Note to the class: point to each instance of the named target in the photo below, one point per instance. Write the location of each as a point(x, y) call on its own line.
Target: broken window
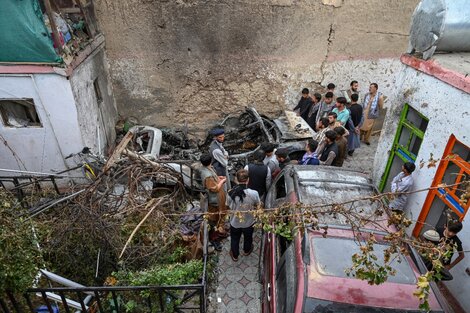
point(19, 113)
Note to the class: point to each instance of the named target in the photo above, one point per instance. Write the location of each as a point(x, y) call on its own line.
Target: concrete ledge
point(459, 79)
point(26, 69)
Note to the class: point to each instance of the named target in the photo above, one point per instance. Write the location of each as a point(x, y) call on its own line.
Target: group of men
point(252, 184)
point(340, 120)
point(243, 197)
point(339, 124)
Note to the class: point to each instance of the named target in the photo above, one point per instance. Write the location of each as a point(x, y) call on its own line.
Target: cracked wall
point(198, 60)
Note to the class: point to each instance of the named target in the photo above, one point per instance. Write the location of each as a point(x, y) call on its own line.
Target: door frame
point(445, 194)
point(399, 150)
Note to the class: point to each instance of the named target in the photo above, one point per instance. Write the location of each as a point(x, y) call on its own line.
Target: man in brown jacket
point(214, 187)
point(342, 146)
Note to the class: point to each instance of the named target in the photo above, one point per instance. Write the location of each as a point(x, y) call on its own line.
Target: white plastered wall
point(448, 111)
point(40, 149)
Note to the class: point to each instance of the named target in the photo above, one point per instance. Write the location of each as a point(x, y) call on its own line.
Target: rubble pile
point(141, 204)
point(122, 219)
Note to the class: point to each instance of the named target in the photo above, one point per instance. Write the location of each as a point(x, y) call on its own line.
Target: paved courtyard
point(238, 289)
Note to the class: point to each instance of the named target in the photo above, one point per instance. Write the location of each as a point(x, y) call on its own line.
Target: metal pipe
point(34, 173)
point(41, 209)
point(60, 280)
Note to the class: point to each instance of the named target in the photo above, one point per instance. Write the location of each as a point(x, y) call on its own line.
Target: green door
point(406, 144)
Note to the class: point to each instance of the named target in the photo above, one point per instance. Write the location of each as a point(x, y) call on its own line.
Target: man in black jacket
point(313, 113)
point(259, 174)
point(304, 104)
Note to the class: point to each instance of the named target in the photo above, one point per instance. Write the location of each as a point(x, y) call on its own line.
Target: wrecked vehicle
point(147, 141)
point(308, 272)
point(244, 134)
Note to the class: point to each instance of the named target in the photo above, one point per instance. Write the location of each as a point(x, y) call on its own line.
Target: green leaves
point(168, 274)
point(159, 275)
point(366, 265)
point(423, 290)
point(20, 257)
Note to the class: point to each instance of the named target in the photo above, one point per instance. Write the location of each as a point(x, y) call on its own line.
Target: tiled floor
point(238, 288)
point(363, 158)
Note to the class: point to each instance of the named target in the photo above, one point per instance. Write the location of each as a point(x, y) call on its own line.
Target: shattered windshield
point(334, 262)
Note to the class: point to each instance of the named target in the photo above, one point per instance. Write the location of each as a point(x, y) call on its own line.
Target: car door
point(286, 276)
point(276, 195)
point(268, 279)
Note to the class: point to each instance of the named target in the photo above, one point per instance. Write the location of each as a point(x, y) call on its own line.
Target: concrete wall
point(69, 112)
point(199, 60)
point(96, 118)
point(40, 148)
point(444, 106)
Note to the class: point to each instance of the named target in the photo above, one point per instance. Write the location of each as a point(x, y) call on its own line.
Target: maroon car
point(307, 275)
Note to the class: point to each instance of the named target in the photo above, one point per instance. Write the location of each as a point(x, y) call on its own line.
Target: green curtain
point(23, 35)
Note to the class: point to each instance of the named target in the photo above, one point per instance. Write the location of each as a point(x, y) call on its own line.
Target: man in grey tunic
point(403, 182)
point(270, 158)
point(218, 153)
point(242, 199)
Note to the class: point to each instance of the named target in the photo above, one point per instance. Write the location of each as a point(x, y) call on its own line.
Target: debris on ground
point(244, 134)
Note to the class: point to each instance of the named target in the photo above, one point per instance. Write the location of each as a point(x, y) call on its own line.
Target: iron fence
point(115, 299)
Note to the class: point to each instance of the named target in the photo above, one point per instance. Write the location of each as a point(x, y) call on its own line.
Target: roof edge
point(433, 68)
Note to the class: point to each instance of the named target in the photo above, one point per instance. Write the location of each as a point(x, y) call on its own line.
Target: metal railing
point(115, 299)
point(18, 184)
point(181, 298)
point(77, 298)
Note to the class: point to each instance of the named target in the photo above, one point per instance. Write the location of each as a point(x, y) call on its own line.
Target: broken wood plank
point(55, 33)
point(134, 155)
point(117, 152)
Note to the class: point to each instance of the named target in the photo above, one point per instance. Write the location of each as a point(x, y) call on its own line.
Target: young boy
point(448, 235)
point(403, 182)
point(214, 187)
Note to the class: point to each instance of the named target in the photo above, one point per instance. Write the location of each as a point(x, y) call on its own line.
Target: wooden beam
point(55, 33)
point(117, 152)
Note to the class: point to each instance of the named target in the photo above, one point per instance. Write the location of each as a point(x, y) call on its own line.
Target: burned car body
point(147, 141)
point(244, 134)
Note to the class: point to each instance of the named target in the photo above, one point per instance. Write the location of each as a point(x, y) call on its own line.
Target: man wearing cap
point(401, 184)
point(218, 153)
point(431, 236)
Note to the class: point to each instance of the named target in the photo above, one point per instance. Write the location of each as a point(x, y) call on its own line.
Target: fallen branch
point(151, 202)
